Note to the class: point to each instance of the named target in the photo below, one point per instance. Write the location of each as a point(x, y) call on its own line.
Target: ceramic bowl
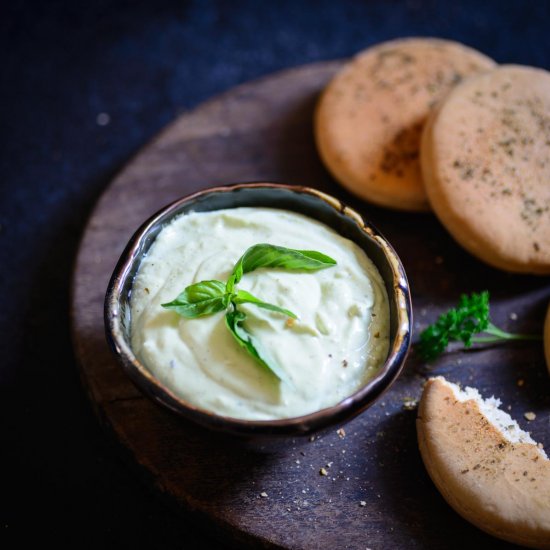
point(309, 202)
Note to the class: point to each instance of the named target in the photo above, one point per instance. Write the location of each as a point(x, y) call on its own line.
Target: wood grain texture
point(377, 493)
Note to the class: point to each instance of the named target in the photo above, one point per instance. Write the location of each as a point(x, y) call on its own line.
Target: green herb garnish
point(267, 255)
point(463, 323)
point(233, 321)
point(209, 297)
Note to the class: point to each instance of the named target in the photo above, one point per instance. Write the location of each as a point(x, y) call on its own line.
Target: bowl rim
point(342, 411)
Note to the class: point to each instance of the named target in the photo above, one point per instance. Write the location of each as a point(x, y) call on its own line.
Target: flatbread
point(369, 119)
point(488, 469)
point(486, 167)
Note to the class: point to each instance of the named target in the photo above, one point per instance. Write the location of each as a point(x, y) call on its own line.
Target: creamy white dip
point(337, 343)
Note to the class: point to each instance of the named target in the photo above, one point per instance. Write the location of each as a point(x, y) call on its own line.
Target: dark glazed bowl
point(309, 202)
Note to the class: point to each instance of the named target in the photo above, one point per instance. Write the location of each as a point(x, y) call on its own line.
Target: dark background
point(142, 63)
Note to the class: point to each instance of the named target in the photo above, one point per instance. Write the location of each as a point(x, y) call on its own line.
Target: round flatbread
point(370, 117)
point(488, 469)
point(486, 167)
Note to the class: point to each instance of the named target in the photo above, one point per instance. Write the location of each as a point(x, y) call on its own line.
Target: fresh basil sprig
point(209, 297)
point(234, 322)
point(267, 255)
point(244, 297)
point(199, 299)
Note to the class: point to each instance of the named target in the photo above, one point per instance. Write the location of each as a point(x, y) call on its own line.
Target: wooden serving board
point(377, 493)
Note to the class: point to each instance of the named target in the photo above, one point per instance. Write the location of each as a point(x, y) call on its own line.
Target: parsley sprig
point(209, 297)
point(463, 324)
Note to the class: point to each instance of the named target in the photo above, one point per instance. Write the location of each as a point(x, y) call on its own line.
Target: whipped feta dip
point(338, 342)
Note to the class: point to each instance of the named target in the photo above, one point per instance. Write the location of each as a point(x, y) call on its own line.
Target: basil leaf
point(268, 255)
point(233, 321)
point(199, 299)
point(244, 297)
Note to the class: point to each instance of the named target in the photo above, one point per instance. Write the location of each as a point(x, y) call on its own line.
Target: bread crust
point(369, 119)
point(501, 487)
point(485, 158)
